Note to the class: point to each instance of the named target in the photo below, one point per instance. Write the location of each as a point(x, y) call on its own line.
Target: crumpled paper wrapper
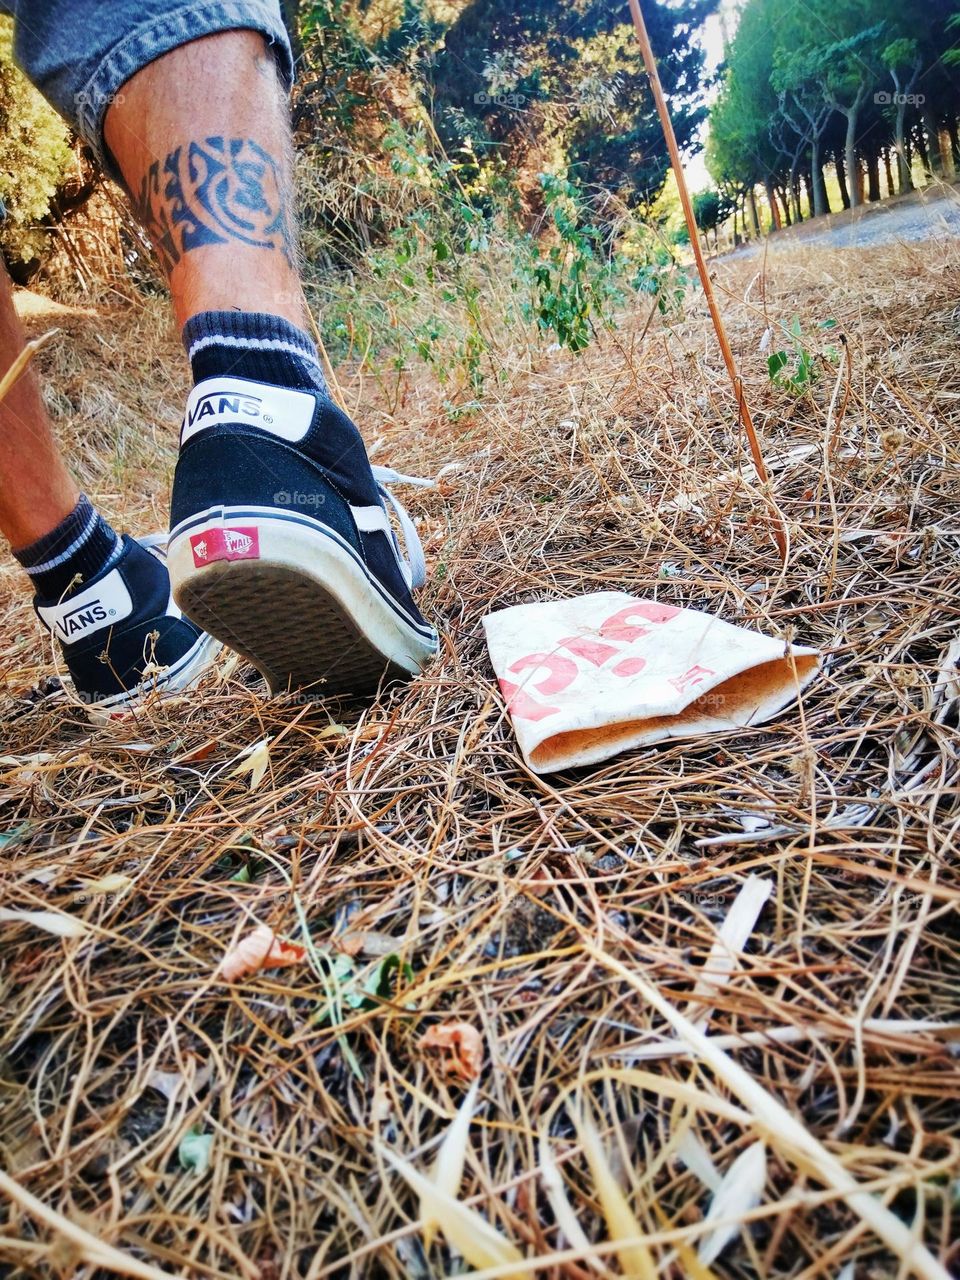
point(589, 677)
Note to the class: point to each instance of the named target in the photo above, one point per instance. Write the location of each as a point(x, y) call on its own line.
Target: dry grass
point(413, 826)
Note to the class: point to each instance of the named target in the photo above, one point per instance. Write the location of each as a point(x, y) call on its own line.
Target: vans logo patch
point(76, 621)
point(97, 608)
point(219, 405)
point(239, 402)
point(220, 543)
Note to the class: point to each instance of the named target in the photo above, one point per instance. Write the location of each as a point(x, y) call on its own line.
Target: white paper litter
point(594, 675)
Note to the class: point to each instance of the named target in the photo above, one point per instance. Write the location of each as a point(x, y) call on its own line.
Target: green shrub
point(35, 155)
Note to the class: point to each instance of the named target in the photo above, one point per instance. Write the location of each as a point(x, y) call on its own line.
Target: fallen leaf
point(369, 941)
point(447, 1171)
point(332, 731)
point(563, 1212)
point(738, 1193)
point(256, 762)
point(699, 1161)
point(9, 837)
point(198, 753)
point(622, 1225)
point(537, 883)
point(351, 944)
point(195, 1150)
point(381, 1105)
point(43, 875)
point(733, 936)
point(480, 1243)
point(465, 1046)
point(169, 1083)
point(57, 922)
point(947, 688)
point(261, 949)
point(116, 883)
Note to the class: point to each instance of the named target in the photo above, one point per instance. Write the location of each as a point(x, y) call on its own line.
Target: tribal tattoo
point(215, 191)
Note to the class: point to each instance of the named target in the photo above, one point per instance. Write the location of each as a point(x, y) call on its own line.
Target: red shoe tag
point(220, 543)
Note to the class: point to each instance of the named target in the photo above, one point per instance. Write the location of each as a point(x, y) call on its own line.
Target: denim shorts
point(79, 53)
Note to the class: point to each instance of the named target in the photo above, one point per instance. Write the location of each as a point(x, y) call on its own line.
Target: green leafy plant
point(573, 280)
point(461, 276)
point(797, 367)
point(356, 988)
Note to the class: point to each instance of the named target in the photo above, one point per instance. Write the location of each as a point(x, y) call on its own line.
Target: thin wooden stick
point(23, 359)
point(746, 419)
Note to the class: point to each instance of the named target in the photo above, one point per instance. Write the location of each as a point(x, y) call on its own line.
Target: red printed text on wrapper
point(609, 647)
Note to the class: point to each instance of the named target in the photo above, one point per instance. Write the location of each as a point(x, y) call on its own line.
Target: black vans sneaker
point(121, 634)
point(280, 543)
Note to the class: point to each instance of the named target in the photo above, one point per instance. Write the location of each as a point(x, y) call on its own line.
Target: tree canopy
point(843, 81)
point(525, 87)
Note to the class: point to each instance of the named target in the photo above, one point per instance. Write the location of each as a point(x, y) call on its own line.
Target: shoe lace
point(411, 557)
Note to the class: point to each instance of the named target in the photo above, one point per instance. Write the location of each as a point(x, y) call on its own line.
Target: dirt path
point(920, 216)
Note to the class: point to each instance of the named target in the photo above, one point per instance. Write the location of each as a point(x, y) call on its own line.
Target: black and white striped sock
point(255, 345)
point(81, 546)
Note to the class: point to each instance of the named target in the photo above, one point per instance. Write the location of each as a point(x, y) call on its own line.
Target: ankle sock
point(81, 546)
point(255, 345)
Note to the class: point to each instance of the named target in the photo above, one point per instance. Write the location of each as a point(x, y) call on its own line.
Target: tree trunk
point(754, 215)
point(818, 195)
point(954, 142)
point(785, 201)
point(873, 177)
point(842, 179)
point(888, 172)
point(904, 176)
point(850, 158)
point(934, 159)
point(922, 149)
point(775, 223)
point(946, 154)
point(795, 190)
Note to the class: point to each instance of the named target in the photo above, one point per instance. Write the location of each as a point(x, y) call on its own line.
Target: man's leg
point(106, 599)
point(202, 139)
point(280, 543)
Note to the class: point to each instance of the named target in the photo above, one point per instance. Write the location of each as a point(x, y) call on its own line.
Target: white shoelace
point(411, 556)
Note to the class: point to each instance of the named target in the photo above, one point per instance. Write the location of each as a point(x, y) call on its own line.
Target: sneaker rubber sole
point(291, 596)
